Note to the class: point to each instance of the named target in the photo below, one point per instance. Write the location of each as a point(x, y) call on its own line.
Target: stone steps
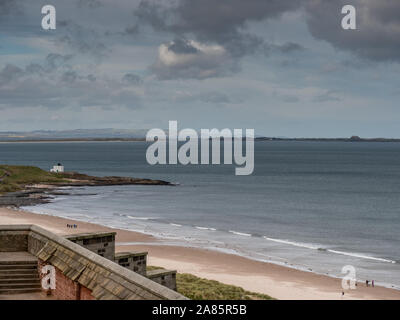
point(31, 279)
point(18, 267)
point(19, 291)
point(17, 271)
point(16, 275)
point(19, 276)
point(25, 285)
point(15, 262)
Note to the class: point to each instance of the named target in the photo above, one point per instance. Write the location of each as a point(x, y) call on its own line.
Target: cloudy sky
point(284, 68)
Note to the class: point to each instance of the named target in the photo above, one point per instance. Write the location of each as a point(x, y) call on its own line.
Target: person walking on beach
point(367, 283)
point(373, 283)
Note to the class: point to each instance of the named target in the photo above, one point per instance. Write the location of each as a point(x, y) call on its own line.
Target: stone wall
point(13, 241)
point(135, 261)
point(164, 277)
point(35, 243)
point(101, 243)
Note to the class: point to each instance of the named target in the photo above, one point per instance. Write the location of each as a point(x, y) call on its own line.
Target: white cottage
point(58, 168)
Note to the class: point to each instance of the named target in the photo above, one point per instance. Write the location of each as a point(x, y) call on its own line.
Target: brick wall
point(66, 289)
point(86, 294)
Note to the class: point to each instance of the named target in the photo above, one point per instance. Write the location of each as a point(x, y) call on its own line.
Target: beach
point(277, 281)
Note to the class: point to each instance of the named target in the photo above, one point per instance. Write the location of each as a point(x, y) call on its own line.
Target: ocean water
point(316, 206)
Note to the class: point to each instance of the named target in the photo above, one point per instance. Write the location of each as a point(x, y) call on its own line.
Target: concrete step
point(19, 280)
point(27, 285)
point(4, 276)
point(18, 271)
point(19, 291)
point(14, 262)
point(17, 266)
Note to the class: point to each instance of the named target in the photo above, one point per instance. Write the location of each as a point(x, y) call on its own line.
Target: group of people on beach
point(372, 283)
point(74, 226)
point(366, 283)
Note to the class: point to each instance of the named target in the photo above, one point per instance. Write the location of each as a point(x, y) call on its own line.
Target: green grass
point(196, 288)
point(15, 178)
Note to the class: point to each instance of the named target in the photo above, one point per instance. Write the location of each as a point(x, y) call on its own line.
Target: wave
point(357, 255)
point(240, 233)
point(175, 225)
point(205, 228)
point(296, 244)
point(141, 218)
point(314, 247)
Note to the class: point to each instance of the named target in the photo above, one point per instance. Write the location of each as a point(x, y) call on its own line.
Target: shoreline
point(278, 281)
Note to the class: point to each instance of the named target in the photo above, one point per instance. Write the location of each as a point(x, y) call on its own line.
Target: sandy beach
point(277, 281)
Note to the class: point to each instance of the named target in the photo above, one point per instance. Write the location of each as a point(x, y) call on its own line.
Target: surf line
point(240, 233)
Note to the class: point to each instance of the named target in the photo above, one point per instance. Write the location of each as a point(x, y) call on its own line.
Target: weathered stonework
point(81, 274)
point(135, 261)
point(164, 277)
point(102, 243)
point(13, 241)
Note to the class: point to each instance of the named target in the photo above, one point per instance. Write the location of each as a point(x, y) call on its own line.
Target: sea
point(313, 206)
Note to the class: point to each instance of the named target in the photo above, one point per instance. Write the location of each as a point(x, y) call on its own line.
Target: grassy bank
point(15, 178)
point(203, 289)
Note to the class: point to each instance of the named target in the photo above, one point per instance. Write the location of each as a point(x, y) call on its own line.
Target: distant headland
point(26, 185)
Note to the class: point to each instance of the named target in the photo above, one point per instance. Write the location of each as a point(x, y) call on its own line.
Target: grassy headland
point(196, 288)
point(27, 185)
point(16, 178)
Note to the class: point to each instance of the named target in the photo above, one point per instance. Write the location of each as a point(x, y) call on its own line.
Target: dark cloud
point(131, 79)
point(69, 76)
point(154, 14)
point(290, 47)
point(80, 38)
point(220, 20)
point(132, 30)
point(55, 84)
point(55, 60)
point(377, 37)
point(286, 48)
point(9, 73)
point(223, 21)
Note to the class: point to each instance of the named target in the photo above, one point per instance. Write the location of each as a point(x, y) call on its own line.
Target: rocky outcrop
point(44, 193)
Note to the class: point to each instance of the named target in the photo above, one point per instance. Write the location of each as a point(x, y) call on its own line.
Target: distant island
point(27, 185)
point(351, 139)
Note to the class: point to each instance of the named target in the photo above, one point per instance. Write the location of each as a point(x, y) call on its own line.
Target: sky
point(283, 68)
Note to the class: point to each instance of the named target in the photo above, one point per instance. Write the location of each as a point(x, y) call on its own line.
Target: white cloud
point(192, 59)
